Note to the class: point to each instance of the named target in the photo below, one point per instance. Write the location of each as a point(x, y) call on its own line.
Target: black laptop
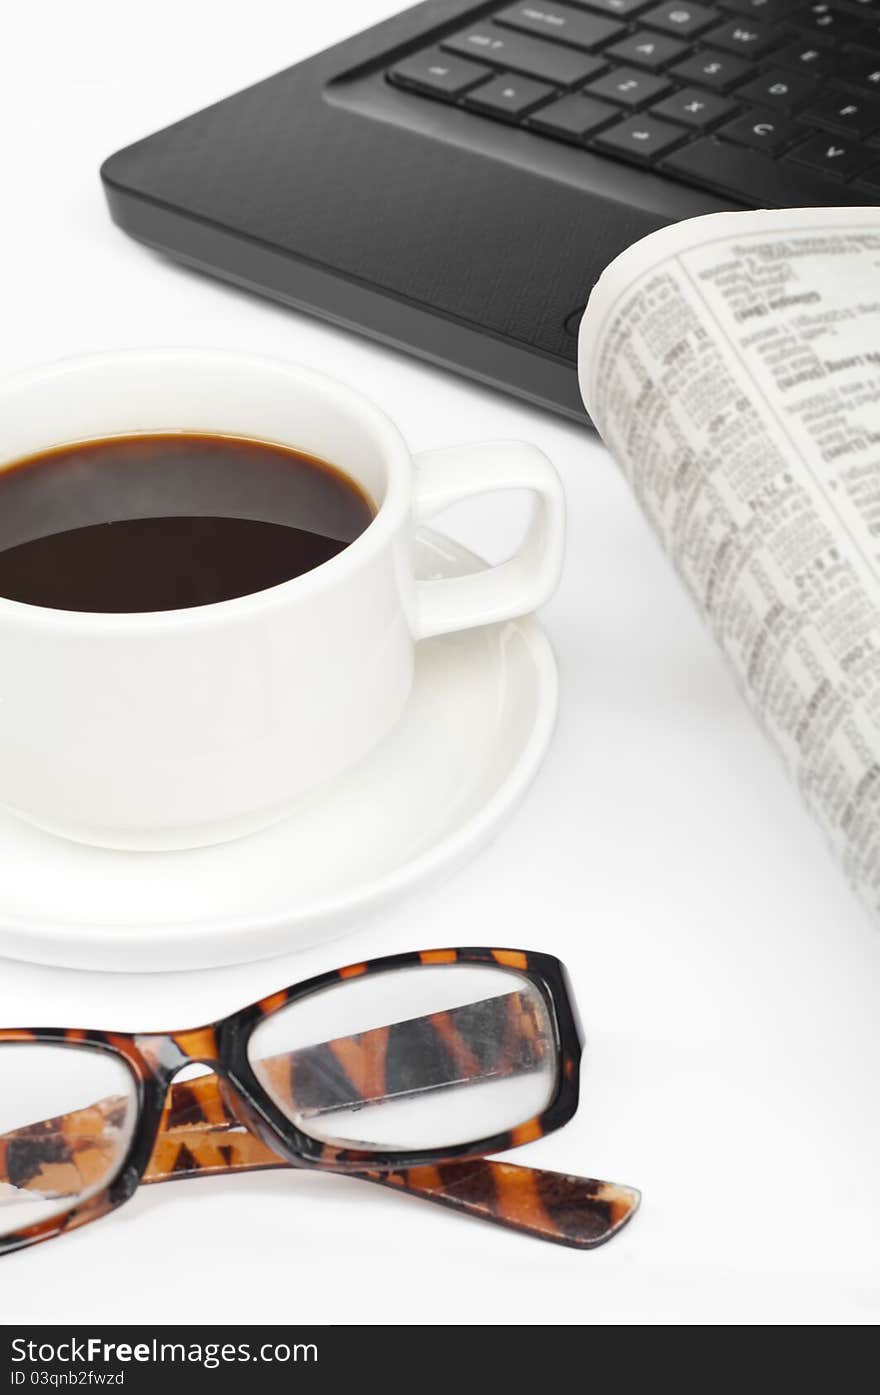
point(454, 180)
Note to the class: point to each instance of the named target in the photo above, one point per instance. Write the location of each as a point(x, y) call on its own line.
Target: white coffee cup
point(177, 729)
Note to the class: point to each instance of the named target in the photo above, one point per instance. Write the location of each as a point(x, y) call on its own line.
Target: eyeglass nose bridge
point(200, 1046)
point(168, 1053)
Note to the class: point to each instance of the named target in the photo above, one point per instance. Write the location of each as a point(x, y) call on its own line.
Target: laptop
point(453, 181)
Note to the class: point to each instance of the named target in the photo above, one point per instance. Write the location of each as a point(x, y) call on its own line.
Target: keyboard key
point(837, 158)
point(573, 117)
point(778, 89)
point(438, 74)
point(516, 53)
point(762, 130)
point(509, 96)
point(828, 21)
point(623, 8)
point(750, 177)
point(774, 11)
point(856, 116)
point(808, 58)
point(747, 37)
point(694, 108)
point(712, 68)
point(647, 50)
point(628, 87)
point(641, 138)
point(870, 180)
point(861, 66)
point(684, 19)
point(567, 26)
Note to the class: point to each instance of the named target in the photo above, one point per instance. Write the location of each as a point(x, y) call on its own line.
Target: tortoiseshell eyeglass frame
point(226, 1121)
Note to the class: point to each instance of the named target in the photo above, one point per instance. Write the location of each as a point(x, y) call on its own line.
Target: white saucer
point(471, 739)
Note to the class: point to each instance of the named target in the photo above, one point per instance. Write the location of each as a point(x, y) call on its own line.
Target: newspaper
point(732, 366)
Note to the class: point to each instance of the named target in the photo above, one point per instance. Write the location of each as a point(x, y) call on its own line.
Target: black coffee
point(166, 522)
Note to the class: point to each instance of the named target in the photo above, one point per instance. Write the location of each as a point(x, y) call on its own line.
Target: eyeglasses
point(404, 1071)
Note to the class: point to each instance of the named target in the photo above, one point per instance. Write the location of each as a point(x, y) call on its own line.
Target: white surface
point(465, 750)
point(726, 976)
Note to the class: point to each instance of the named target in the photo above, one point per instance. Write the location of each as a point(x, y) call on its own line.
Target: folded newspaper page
point(732, 366)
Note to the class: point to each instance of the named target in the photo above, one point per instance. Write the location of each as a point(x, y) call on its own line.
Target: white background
point(727, 978)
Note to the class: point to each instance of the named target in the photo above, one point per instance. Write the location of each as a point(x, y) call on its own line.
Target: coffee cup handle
point(522, 582)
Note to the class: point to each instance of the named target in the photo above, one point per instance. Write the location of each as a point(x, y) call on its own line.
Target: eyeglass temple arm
point(576, 1211)
point(493, 1039)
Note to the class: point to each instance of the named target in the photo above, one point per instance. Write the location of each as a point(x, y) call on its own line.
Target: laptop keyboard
point(767, 102)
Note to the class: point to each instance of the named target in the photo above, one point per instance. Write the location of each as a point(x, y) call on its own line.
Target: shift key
point(514, 53)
